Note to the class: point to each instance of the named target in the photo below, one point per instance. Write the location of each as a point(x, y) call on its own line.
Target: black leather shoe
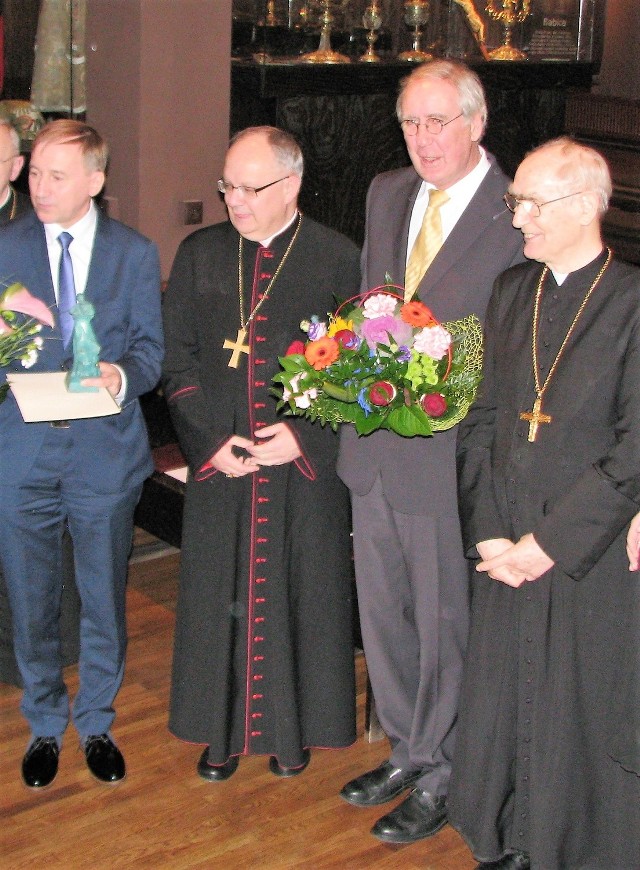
point(216, 772)
point(512, 861)
point(278, 770)
point(418, 816)
point(40, 762)
point(378, 786)
point(104, 759)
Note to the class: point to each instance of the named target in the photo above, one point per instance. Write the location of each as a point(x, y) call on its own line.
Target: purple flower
point(377, 330)
point(317, 329)
point(404, 353)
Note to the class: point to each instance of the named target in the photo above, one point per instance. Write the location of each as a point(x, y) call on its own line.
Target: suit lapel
point(104, 258)
point(42, 282)
point(406, 199)
point(471, 225)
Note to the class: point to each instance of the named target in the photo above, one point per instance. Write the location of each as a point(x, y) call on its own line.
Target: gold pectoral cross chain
point(238, 346)
point(534, 418)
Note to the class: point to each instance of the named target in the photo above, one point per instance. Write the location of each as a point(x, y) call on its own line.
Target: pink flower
point(377, 331)
point(379, 305)
point(432, 340)
point(17, 298)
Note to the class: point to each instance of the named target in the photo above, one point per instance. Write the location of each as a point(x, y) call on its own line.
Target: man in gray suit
point(412, 576)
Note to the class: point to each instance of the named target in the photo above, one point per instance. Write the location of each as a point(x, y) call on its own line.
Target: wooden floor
point(163, 815)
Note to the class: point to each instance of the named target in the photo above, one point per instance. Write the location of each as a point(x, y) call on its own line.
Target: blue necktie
point(66, 289)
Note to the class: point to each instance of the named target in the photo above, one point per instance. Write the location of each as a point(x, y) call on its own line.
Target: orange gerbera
point(321, 353)
point(417, 314)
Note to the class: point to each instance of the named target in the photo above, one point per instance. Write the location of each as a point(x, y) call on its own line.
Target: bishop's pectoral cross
point(534, 418)
point(237, 347)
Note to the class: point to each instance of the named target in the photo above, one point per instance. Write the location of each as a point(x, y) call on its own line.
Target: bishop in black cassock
point(544, 774)
point(263, 660)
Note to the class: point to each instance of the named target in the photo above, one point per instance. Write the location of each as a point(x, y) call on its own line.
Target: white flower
point(432, 340)
point(304, 400)
point(379, 305)
point(30, 358)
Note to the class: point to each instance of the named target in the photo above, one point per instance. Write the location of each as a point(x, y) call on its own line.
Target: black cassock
point(546, 755)
point(263, 658)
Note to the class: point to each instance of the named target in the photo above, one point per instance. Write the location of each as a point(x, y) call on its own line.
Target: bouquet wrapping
point(381, 363)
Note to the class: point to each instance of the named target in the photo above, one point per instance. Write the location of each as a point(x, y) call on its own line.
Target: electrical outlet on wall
point(192, 211)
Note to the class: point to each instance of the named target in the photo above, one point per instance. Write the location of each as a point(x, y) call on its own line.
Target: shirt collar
point(469, 184)
point(267, 242)
point(82, 229)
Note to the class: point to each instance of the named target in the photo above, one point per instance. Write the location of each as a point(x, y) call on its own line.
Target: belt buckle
point(59, 424)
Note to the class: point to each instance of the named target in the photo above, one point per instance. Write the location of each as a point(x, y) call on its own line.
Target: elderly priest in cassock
point(263, 661)
point(549, 462)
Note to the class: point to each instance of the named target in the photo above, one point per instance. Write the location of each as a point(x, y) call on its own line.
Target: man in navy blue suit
point(85, 474)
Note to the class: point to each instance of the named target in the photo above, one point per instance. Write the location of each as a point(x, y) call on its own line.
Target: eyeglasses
point(434, 126)
point(225, 187)
point(530, 206)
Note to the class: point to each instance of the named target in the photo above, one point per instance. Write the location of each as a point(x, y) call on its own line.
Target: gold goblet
point(416, 15)
point(324, 53)
point(372, 20)
point(511, 12)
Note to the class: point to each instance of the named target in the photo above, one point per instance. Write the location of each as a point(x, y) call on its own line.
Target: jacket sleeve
point(480, 515)
point(142, 358)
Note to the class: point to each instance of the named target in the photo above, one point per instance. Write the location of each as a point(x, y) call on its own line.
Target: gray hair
point(582, 166)
point(285, 148)
point(465, 81)
point(13, 133)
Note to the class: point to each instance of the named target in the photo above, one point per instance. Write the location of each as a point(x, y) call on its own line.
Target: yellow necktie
point(427, 244)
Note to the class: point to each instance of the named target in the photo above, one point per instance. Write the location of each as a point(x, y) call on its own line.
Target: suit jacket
point(418, 474)
point(111, 453)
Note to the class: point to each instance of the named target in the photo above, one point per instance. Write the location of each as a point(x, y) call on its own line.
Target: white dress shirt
point(80, 250)
point(460, 195)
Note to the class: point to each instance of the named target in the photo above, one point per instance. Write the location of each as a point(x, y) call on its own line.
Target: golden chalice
point(372, 20)
point(324, 53)
point(510, 13)
point(416, 15)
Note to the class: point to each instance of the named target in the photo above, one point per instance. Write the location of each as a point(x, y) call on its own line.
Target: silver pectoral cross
point(237, 347)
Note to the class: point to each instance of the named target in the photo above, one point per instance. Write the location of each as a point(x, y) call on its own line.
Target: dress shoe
point(104, 759)
point(278, 770)
point(378, 786)
point(512, 861)
point(418, 816)
point(216, 772)
point(40, 762)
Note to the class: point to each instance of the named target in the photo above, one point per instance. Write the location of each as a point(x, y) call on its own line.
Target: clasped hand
point(274, 445)
point(511, 563)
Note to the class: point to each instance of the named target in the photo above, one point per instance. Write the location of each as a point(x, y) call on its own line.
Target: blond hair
point(66, 131)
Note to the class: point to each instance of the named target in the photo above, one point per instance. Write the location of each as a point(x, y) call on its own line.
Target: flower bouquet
point(21, 319)
point(381, 363)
